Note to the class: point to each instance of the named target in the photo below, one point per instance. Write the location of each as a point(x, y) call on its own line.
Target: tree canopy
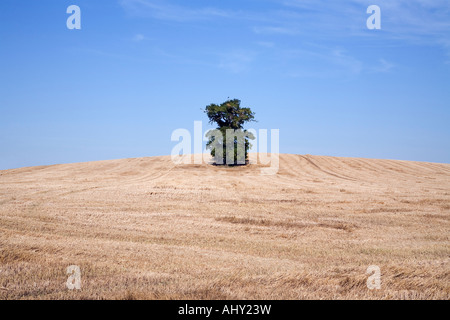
point(229, 142)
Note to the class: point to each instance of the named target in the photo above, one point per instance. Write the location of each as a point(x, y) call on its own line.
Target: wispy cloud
point(165, 11)
point(404, 22)
point(407, 18)
point(265, 44)
point(138, 37)
point(382, 67)
point(236, 61)
point(402, 19)
point(323, 62)
point(332, 27)
point(272, 30)
point(342, 59)
point(446, 44)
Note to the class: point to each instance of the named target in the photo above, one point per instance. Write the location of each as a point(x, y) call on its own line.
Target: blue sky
point(139, 69)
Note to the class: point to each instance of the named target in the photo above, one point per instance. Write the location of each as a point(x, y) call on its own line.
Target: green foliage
point(229, 143)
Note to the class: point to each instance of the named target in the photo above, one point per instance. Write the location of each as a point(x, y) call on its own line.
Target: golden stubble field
point(147, 229)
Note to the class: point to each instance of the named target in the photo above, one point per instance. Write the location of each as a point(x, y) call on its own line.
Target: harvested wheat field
point(148, 229)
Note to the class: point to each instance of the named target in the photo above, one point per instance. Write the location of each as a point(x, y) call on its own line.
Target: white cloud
point(342, 60)
point(402, 19)
point(322, 62)
point(316, 22)
point(271, 30)
point(384, 66)
point(165, 11)
point(265, 44)
point(138, 37)
point(236, 61)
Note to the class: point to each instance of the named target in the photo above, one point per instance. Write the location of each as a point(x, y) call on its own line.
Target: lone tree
point(229, 142)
